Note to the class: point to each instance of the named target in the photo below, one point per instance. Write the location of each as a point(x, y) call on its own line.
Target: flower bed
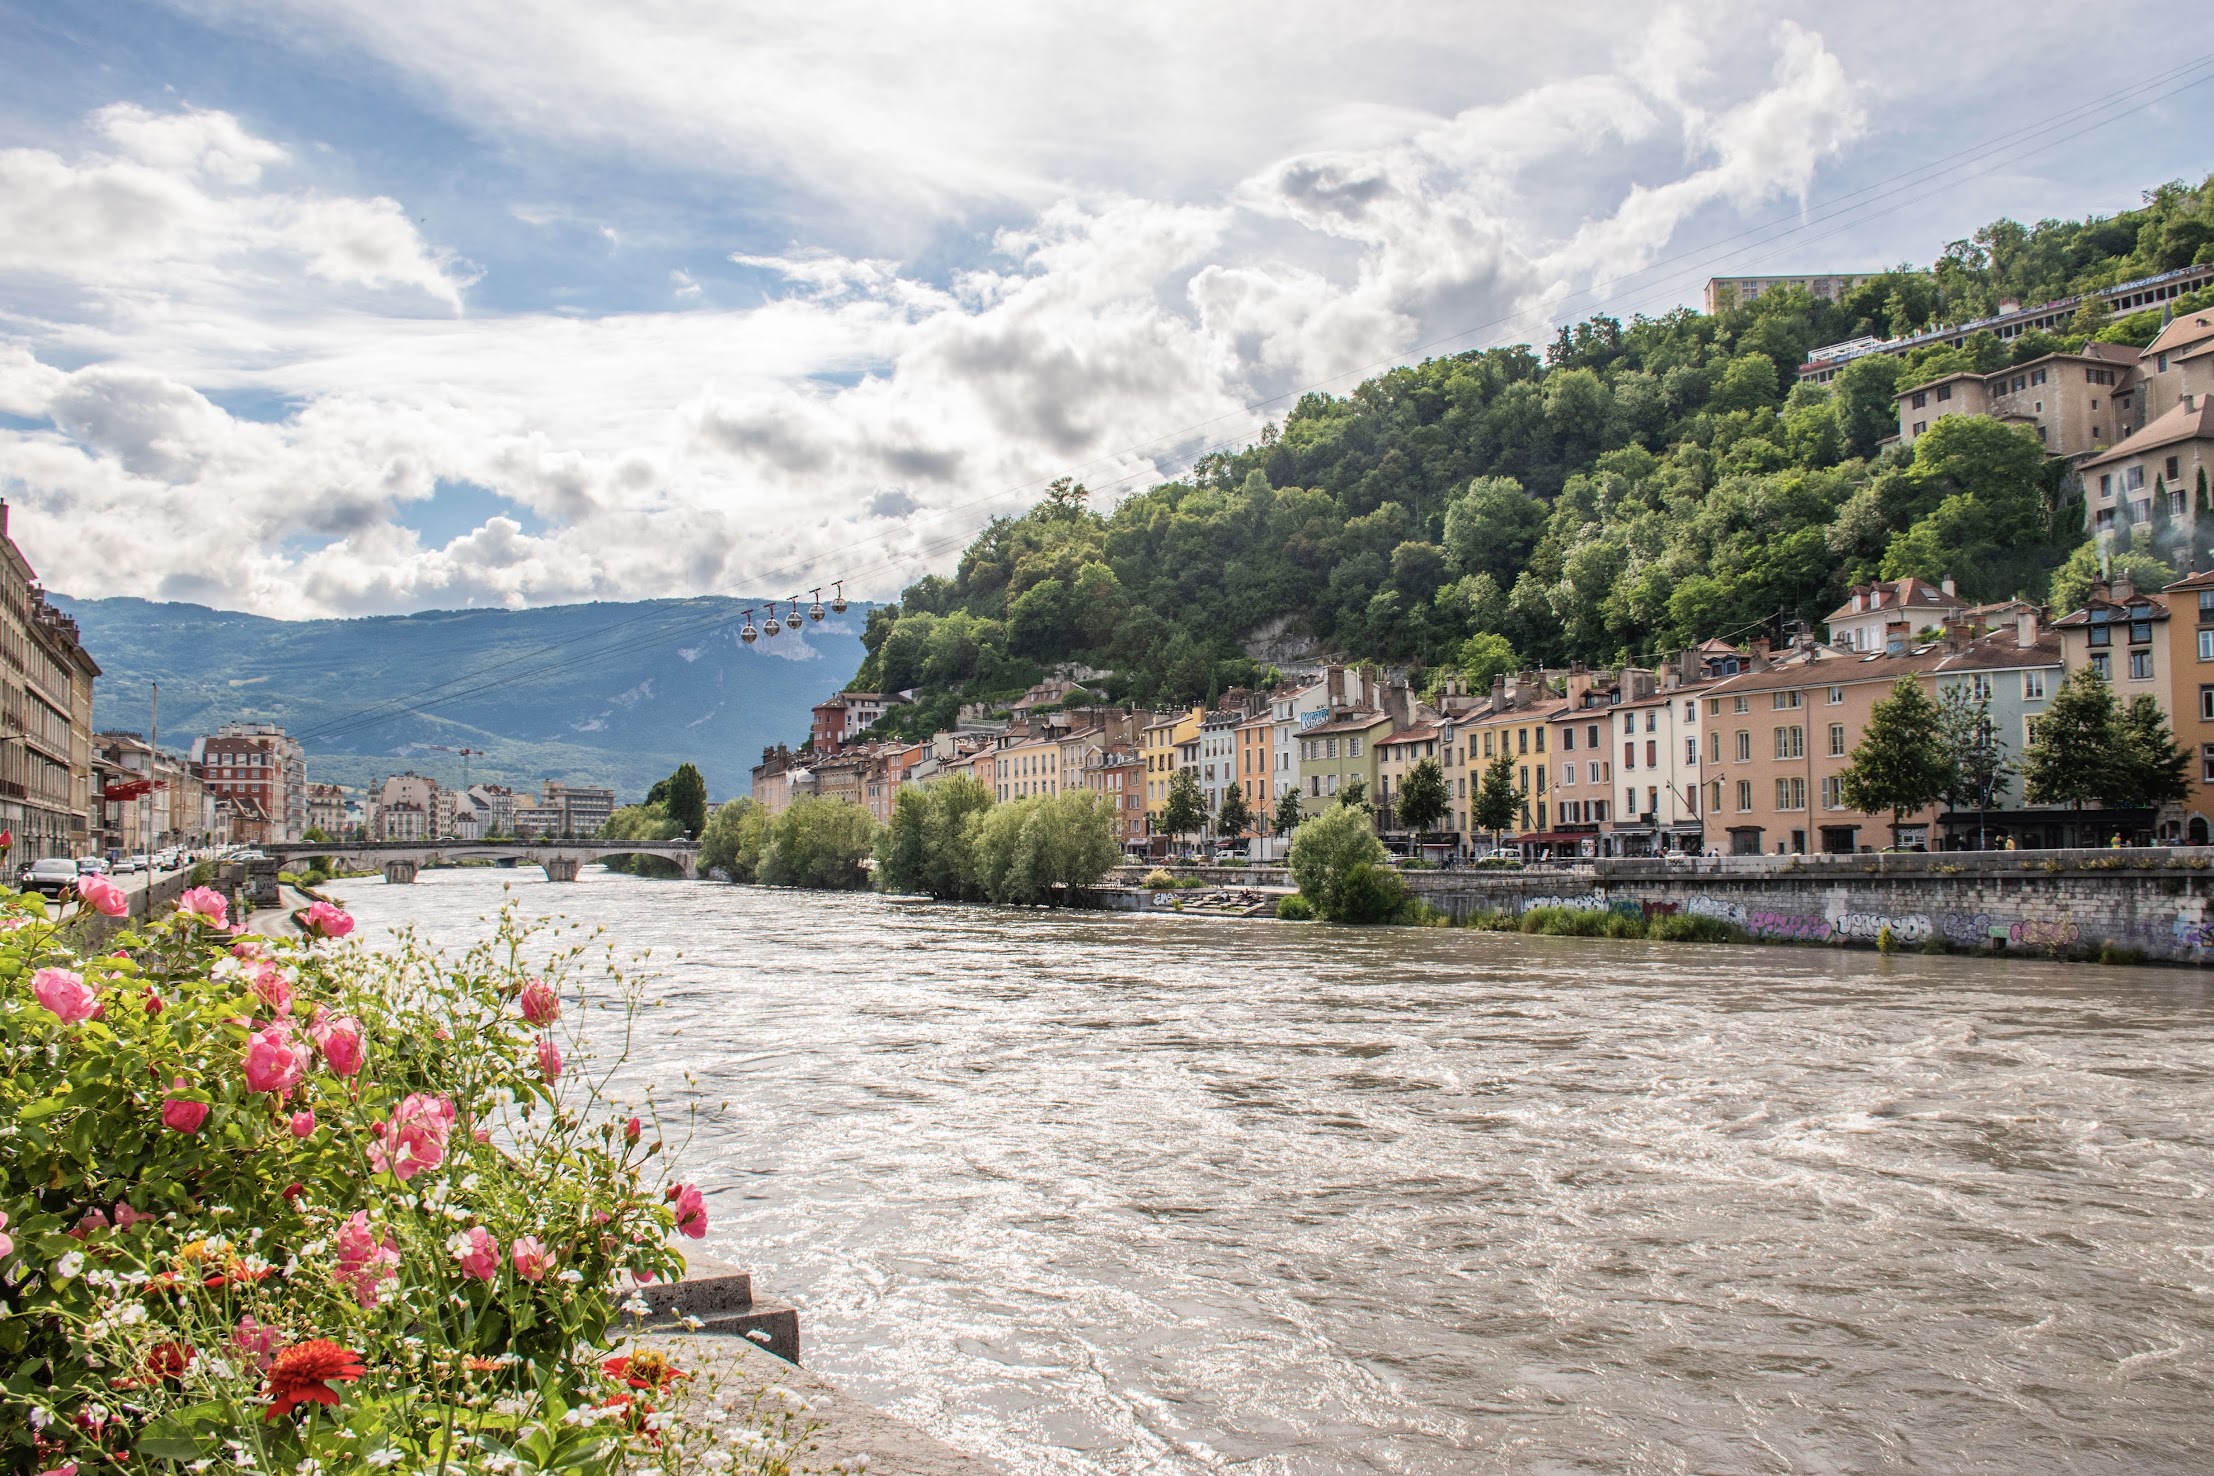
point(303, 1206)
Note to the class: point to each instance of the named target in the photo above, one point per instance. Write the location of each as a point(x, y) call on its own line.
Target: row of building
point(1724, 749)
point(414, 807)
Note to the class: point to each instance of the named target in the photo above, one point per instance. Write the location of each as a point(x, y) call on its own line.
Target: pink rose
point(182, 1114)
point(549, 1058)
point(415, 1138)
point(273, 989)
point(207, 904)
point(541, 1006)
point(632, 1129)
point(251, 947)
point(65, 995)
point(257, 1342)
point(691, 1210)
point(103, 896)
point(365, 1263)
point(7, 1246)
point(303, 1123)
point(126, 1217)
point(340, 1038)
point(275, 1062)
point(326, 921)
point(532, 1259)
point(477, 1251)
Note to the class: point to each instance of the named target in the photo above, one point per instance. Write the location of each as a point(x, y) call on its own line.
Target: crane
point(465, 755)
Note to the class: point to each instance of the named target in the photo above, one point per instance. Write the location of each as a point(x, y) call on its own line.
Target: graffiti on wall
point(1867, 927)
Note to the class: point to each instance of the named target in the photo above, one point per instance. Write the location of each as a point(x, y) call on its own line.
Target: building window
point(2100, 635)
point(2033, 686)
point(1522, 739)
point(2171, 466)
point(1837, 740)
point(1568, 739)
point(1921, 400)
point(1691, 752)
point(1837, 696)
point(2134, 478)
point(2140, 666)
point(1541, 740)
point(1833, 792)
point(1591, 736)
point(2206, 763)
point(2103, 664)
point(1783, 700)
point(2206, 704)
point(1744, 794)
point(1791, 793)
point(1352, 748)
point(1791, 743)
point(1714, 707)
point(1744, 745)
point(1744, 704)
point(2140, 632)
point(1714, 747)
point(1944, 393)
point(1629, 755)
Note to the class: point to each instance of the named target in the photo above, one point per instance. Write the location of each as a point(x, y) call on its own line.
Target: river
point(1114, 1193)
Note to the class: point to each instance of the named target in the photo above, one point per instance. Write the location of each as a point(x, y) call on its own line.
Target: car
point(124, 865)
point(92, 866)
point(52, 875)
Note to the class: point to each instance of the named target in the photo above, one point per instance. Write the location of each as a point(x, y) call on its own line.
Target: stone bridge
point(400, 860)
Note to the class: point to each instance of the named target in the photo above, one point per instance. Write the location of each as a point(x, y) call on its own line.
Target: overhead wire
point(1915, 183)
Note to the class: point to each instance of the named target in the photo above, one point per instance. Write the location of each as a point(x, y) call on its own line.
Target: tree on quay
point(1337, 863)
point(820, 843)
point(1234, 819)
point(1044, 849)
point(1186, 809)
point(733, 839)
point(1422, 798)
point(1497, 807)
point(1355, 794)
point(2150, 769)
point(2072, 759)
point(1900, 764)
point(930, 846)
point(1289, 812)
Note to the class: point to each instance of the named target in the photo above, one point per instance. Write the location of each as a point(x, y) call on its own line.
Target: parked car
point(92, 866)
point(124, 865)
point(52, 875)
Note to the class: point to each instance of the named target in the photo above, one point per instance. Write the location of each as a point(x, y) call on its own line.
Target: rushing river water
point(1116, 1193)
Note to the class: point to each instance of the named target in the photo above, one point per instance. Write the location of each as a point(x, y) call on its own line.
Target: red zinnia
point(302, 1374)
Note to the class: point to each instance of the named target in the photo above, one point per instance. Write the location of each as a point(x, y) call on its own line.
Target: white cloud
point(1111, 331)
point(170, 199)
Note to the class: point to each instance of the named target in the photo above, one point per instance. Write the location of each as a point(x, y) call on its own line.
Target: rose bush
point(306, 1206)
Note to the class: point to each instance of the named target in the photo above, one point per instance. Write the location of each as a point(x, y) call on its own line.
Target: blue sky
point(342, 307)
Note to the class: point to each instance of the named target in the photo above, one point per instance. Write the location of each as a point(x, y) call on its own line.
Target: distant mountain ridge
point(613, 693)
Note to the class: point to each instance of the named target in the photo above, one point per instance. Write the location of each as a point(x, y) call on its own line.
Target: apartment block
point(2077, 403)
point(46, 680)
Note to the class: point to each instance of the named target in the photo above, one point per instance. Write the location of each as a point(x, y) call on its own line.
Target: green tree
point(819, 842)
point(2072, 760)
point(1185, 810)
point(930, 845)
point(2150, 769)
point(734, 838)
point(639, 823)
point(1044, 849)
point(1355, 793)
point(687, 800)
point(1422, 797)
point(1497, 807)
point(1485, 655)
point(1289, 812)
point(1337, 863)
point(1900, 762)
point(1234, 819)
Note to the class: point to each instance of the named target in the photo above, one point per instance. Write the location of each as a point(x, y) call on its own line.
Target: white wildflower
point(385, 1456)
point(69, 1265)
point(637, 1305)
point(571, 1274)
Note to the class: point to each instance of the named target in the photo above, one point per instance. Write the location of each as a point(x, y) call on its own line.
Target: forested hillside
point(1640, 486)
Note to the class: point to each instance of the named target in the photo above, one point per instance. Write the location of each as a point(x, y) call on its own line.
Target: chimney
point(2025, 629)
point(1946, 584)
point(2124, 589)
point(1759, 651)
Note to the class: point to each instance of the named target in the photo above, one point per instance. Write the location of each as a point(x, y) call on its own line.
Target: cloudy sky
point(360, 306)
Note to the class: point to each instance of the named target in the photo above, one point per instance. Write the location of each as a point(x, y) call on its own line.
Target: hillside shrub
point(305, 1206)
point(1295, 908)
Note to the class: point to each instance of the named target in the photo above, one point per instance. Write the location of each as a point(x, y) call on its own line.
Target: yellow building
point(1162, 737)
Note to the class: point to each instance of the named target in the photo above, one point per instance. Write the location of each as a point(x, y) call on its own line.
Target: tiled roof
point(2186, 328)
point(2190, 421)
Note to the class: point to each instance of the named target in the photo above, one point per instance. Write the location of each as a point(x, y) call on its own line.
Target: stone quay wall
point(2075, 903)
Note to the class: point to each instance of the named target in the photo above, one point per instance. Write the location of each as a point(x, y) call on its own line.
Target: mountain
point(613, 693)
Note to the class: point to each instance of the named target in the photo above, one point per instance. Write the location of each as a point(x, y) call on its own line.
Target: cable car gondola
point(815, 611)
point(838, 597)
point(747, 633)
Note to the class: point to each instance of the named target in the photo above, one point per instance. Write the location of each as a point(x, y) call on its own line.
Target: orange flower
point(302, 1374)
point(643, 1370)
